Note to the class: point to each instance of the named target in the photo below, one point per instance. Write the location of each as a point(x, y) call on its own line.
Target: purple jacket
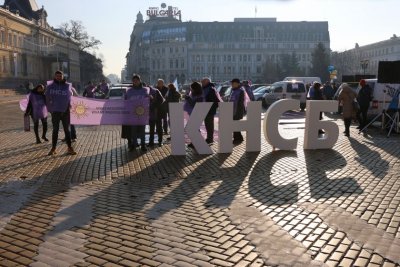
point(239, 101)
point(37, 105)
point(58, 96)
point(190, 102)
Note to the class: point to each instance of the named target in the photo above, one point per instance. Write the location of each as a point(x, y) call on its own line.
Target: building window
point(9, 39)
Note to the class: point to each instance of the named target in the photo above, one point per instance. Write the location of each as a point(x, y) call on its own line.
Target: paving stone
point(111, 206)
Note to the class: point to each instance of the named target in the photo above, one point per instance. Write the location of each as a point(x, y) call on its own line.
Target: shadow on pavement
point(370, 159)
point(261, 187)
point(318, 163)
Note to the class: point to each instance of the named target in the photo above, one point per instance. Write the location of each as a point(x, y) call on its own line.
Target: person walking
point(328, 91)
point(210, 95)
point(137, 91)
point(38, 111)
point(58, 101)
point(238, 97)
point(156, 115)
point(346, 100)
point(247, 87)
point(196, 95)
point(163, 109)
point(173, 96)
point(104, 88)
point(89, 90)
point(364, 98)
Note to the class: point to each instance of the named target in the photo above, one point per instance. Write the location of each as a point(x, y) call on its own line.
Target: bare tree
point(76, 30)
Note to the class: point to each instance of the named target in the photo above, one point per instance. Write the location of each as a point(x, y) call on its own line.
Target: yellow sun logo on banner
point(140, 111)
point(79, 109)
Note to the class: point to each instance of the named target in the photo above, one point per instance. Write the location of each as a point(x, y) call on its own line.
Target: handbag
point(27, 123)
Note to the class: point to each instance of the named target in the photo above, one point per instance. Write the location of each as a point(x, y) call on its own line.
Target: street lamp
point(364, 64)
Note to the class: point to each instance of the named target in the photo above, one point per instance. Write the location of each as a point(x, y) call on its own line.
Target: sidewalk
point(110, 207)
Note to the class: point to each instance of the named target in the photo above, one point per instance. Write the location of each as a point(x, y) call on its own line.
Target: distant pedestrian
point(196, 95)
point(58, 100)
point(89, 90)
point(155, 118)
point(346, 100)
point(317, 95)
point(104, 88)
point(364, 98)
point(238, 97)
point(328, 91)
point(210, 95)
point(247, 87)
point(163, 109)
point(38, 111)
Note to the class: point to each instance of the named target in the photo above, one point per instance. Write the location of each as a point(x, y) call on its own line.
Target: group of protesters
point(56, 99)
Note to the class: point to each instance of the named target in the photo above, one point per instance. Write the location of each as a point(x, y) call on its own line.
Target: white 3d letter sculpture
point(313, 124)
point(192, 128)
point(271, 122)
point(227, 126)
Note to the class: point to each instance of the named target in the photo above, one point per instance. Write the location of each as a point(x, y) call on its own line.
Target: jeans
point(64, 117)
point(155, 125)
point(209, 123)
point(36, 127)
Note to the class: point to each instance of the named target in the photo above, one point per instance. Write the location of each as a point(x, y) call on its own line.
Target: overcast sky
point(350, 21)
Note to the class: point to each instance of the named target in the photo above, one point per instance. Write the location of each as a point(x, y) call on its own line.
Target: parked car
point(286, 89)
point(117, 91)
point(221, 89)
point(305, 80)
point(253, 87)
point(260, 92)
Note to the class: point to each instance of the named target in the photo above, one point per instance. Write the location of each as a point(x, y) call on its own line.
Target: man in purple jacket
point(58, 101)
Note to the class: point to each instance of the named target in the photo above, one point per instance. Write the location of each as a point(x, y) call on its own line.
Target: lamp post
point(364, 64)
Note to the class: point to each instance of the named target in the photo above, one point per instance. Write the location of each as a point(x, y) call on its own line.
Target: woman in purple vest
point(38, 111)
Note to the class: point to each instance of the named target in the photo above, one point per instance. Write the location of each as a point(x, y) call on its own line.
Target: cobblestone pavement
point(110, 207)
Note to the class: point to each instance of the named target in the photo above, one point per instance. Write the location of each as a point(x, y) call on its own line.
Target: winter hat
point(363, 82)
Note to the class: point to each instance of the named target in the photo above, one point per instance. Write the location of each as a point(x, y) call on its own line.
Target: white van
point(305, 80)
point(286, 89)
point(382, 94)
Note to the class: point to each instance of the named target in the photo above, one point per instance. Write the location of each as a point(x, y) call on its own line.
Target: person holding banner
point(38, 111)
point(137, 91)
point(58, 101)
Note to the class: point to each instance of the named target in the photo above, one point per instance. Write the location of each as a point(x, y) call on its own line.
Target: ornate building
point(165, 47)
point(30, 49)
point(365, 59)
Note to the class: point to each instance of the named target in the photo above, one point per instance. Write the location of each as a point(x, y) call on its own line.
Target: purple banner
point(86, 111)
